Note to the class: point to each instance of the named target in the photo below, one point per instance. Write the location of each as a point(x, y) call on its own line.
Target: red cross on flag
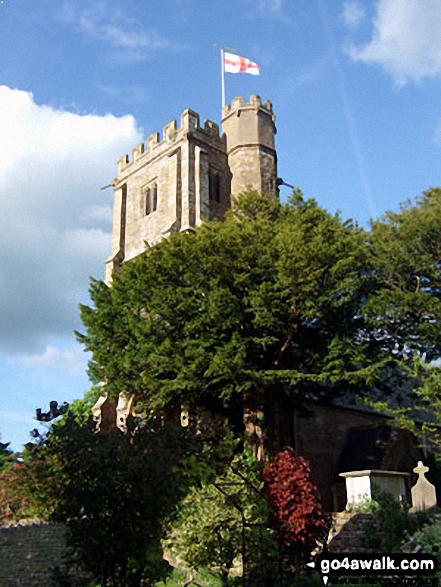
point(237, 64)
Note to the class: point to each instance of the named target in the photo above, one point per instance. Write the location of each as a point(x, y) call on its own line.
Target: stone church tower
point(174, 182)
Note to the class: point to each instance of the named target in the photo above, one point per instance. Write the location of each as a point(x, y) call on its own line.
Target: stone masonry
point(249, 128)
point(29, 553)
point(174, 182)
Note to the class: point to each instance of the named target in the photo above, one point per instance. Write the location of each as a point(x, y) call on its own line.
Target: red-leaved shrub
point(296, 513)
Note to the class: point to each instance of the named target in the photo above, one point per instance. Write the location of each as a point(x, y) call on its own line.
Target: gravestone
point(423, 492)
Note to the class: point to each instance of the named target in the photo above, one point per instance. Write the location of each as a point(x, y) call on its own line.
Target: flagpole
point(222, 55)
point(223, 77)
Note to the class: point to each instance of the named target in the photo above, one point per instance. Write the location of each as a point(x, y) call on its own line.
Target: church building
point(175, 181)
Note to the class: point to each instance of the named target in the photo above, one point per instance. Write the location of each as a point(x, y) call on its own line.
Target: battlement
point(189, 172)
point(157, 143)
point(239, 103)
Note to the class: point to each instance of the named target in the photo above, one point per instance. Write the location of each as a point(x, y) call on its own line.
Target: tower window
point(214, 185)
point(155, 197)
point(148, 201)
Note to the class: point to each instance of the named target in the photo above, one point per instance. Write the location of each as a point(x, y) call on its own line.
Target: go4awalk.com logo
point(331, 566)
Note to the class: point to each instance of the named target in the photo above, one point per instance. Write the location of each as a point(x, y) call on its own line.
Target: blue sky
point(356, 91)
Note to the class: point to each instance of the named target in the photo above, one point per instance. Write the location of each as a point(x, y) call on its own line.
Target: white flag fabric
point(236, 64)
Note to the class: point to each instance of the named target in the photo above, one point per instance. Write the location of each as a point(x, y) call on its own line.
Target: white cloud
point(273, 9)
point(56, 222)
point(272, 6)
point(100, 213)
point(134, 41)
point(72, 360)
point(406, 40)
point(353, 14)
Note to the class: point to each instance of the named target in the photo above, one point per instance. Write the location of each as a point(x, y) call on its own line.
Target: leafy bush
point(296, 514)
point(391, 524)
point(428, 538)
point(220, 520)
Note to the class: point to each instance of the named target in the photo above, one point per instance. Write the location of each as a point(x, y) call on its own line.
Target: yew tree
point(269, 298)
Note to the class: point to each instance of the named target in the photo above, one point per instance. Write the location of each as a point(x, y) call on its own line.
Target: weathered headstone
point(423, 492)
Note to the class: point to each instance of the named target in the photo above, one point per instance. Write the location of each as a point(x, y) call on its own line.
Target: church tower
point(175, 181)
point(249, 128)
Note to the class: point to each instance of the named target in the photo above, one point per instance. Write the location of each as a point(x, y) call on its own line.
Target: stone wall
point(320, 438)
point(250, 131)
point(29, 553)
point(176, 168)
point(193, 171)
point(348, 532)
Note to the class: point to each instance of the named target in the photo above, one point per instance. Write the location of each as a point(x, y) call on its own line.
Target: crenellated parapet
point(255, 101)
point(188, 173)
point(158, 143)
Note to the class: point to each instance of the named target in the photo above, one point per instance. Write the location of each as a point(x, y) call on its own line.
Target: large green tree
point(269, 298)
point(404, 306)
point(276, 297)
point(404, 312)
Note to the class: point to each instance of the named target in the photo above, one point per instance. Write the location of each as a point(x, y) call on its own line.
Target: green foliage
point(405, 253)
point(28, 481)
point(179, 577)
point(6, 455)
point(392, 522)
point(428, 538)
point(403, 311)
point(422, 415)
point(219, 520)
point(26, 487)
point(367, 506)
point(310, 580)
point(267, 298)
point(80, 409)
point(114, 491)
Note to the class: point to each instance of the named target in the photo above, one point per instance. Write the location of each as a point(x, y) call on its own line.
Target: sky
point(356, 88)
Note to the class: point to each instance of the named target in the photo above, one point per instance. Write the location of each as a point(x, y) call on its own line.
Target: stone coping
point(369, 472)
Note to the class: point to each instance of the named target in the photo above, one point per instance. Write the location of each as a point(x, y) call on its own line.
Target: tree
point(13, 502)
point(267, 299)
point(26, 487)
point(296, 514)
point(5, 454)
point(405, 302)
point(404, 310)
point(225, 521)
point(29, 486)
point(114, 491)
point(117, 490)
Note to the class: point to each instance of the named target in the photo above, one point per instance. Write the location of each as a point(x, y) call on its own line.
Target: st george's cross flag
point(237, 64)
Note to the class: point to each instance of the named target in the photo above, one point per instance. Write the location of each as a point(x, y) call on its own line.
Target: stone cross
point(423, 492)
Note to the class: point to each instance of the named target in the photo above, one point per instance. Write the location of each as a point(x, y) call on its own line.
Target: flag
point(237, 64)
